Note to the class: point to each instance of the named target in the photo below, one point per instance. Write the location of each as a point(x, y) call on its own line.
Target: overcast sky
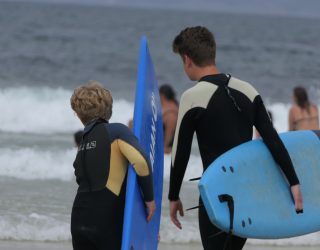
point(305, 8)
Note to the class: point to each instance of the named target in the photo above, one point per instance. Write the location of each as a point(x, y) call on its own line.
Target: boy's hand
point(151, 208)
point(176, 206)
point(297, 197)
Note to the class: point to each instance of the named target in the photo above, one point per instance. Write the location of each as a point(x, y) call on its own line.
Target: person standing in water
point(77, 136)
point(101, 168)
point(222, 111)
point(303, 115)
point(170, 108)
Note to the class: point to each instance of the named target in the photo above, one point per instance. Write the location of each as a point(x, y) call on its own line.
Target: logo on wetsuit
point(87, 146)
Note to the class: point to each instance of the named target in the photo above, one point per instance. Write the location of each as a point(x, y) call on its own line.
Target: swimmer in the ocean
point(303, 114)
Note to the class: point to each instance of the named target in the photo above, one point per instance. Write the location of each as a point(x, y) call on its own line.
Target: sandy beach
point(29, 245)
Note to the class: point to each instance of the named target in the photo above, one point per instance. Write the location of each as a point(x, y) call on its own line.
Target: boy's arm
point(133, 152)
point(181, 146)
point(278, 151)
point(271, 138)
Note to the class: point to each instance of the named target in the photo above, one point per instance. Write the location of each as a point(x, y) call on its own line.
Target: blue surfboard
point(263, 206)
point(147, 126)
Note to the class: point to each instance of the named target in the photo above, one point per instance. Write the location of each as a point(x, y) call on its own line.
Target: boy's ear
point(187, 61)
point(183, 57)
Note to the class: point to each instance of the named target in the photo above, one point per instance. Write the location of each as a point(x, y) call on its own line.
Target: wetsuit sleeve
point(271, 138)
point(181, 146)
point(131, 149)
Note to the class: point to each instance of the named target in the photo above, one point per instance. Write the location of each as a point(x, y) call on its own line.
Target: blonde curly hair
point(91, 101)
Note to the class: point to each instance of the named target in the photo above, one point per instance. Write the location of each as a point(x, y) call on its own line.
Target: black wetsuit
point(222, 117)
point(101, 170)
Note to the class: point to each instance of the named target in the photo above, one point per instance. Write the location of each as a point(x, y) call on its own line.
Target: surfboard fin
point(195, 179)
point(229, 200)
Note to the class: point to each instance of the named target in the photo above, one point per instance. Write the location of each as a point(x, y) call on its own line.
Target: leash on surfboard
point(191, 208)
point(195, 179)
point(201, 204)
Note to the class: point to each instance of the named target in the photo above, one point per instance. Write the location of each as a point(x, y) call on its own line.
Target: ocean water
point(48, 49)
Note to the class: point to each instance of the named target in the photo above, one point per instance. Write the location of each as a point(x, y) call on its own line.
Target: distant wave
point(31, 164)
point(46, 111)
point(34, 164)
point(34, 226)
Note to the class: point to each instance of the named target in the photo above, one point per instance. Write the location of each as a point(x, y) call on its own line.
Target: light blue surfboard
point(263, 207)
point(147, 126)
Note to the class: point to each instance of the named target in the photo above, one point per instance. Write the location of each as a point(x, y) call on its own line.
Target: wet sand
point(30, 245)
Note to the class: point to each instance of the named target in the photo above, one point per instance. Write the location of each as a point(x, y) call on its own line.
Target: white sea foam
point(46, 111)
point(305, 240)
point(169, 233)
point(33, 226)
point(190, 233)
point(40, 227)
point(31, 164)
point(194, 168)
point(280, 113)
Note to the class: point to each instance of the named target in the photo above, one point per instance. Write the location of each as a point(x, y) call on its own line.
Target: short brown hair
point(198, 43)
point(92, 101)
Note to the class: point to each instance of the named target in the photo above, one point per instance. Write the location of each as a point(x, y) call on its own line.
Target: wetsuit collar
point(218, 79)
point(92, 123)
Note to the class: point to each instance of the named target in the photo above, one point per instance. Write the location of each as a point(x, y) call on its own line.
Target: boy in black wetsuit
point(222, 110)
point(101, 170)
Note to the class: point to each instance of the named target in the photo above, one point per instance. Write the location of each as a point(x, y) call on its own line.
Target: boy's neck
point(205, 71)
